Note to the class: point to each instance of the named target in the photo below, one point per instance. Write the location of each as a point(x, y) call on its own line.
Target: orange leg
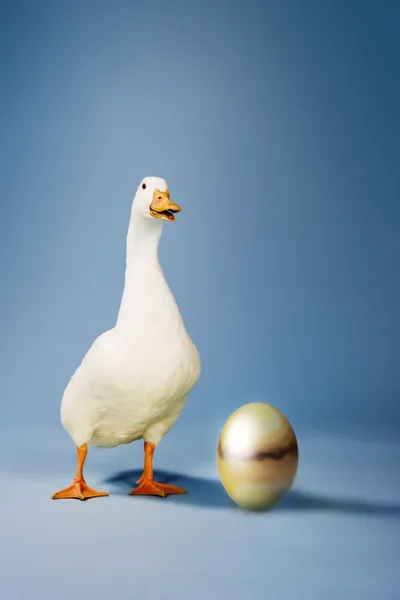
point(79, 488)
point(147, 486)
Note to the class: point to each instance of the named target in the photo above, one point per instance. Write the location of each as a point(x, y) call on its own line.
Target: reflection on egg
point(257, 456)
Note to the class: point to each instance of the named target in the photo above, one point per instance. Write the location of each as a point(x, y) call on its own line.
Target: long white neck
point(143, 239)
point(145, 285)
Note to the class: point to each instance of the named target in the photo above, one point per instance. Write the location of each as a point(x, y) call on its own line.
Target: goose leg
point(147, 486)
point(79, 488)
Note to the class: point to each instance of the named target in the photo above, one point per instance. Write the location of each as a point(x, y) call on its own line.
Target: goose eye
point(144, 186)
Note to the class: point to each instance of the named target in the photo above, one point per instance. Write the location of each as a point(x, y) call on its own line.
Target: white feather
point(134, 380)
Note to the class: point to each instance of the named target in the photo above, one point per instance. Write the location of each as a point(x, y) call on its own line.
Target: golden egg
point(257, 456)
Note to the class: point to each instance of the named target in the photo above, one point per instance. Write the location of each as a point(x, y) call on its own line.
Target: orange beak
point(162, 207)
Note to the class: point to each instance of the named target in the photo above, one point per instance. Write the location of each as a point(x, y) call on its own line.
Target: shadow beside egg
point(208, 493)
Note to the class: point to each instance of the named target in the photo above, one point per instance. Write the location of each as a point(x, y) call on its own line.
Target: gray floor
point(336, 535)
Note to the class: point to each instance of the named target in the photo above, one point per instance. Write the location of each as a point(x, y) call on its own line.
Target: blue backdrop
point(277, 126)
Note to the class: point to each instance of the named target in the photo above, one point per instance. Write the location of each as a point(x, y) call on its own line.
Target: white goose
point(134, 380)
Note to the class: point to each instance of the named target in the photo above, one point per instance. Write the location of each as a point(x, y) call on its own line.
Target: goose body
point(134, 380)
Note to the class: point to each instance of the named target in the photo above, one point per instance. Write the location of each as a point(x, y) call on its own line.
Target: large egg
point(257, 456)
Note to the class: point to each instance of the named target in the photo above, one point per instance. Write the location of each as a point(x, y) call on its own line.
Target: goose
point(134, 380)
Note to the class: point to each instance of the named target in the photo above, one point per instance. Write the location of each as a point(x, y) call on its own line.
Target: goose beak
point(162, 207)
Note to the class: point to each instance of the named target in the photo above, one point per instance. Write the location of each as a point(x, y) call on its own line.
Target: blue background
point(277, 126)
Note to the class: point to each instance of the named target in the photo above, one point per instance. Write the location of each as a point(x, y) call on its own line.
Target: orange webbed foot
point(78, 490)
point(149, 487)
point(171, 489)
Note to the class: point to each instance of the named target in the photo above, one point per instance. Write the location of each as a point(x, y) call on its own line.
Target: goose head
point(152, 200)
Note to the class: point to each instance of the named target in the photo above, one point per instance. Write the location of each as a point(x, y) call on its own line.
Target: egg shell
point(257, 456)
